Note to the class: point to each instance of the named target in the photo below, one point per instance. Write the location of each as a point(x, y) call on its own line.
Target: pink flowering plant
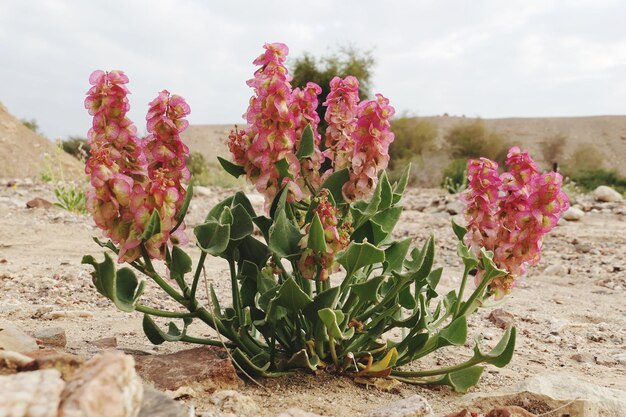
point(317, 280)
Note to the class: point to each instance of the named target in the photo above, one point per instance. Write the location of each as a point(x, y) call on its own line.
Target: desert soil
point(569, 310)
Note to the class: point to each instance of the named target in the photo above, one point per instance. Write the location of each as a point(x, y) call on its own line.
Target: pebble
point(38, 202)
point(501, 318)
point(31, 394)
point(583, 357)
point(105, 343)
point(13, 339)
point(52, 336)
point(557, 269)
point(413, 406)
point(573, 214)
point(606, 194)
point(69, 314)
point(234, 402)
point(297, 412)
point(158, 404)
point(556, 325)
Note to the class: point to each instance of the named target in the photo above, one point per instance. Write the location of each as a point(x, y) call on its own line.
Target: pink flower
point(510, 213)
point(341, 116)
point(372, 138)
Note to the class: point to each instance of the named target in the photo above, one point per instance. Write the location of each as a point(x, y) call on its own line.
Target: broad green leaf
point(264, 224)
point(153, 226)
point(368, 290)
point(406, 298)
point(325, 299)
point(433, 280)
point(239, 198)
point(180, 216)
point(158, 336)
point(383, 223)
point(422, 266)
point(283, 169)
point(469, 259)
point(301, 359)
point(121, 287)
point(279, 203)
point(284, 237)
point(358, 255)
point(233, 169)
point(461, 380)
point(254, 251)
point(241, 225)
point(400, 186)
point(291, 296)
point(334, 183)
point(212, 237)
point(317, 238)
point(491, 270)
point(306, 147)
point(395, 255)
point(332, 319)
point(459, 230)
point(386, 193)
point(502, 353)
point(454, 334)
point(180, 265)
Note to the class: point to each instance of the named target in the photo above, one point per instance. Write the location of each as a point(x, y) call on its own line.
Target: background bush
point(473, 140)
point(209, 174)
point(77, 146)
point(552, 150)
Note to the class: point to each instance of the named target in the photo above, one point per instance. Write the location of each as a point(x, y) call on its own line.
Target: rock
point(157, 404)
point(13, 339)
point(67, 364)
point(205, 368)
point(31, 394)
point(52, 336)
point(582, 247)
point(573, 214)
point(455, 207)
point(501, 318)
point(234, 402)
point(509, 411)
point(105, 386)
point(606, 194)
point(10, 362)
point(556, 325)
point(546, 392)
point(39, 202)
point(68, 314)
point(297, 412)
point(413, 406)
point(583, 357)
point(202, 191)
point(463, 413)
point(557, 269)
point(105, 343)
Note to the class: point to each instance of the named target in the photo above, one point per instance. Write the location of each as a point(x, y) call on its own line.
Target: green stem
point(196, 278)
point(160, 281)
point(209, 342)
point(235, 289)
point(162, 313)
point(461, 291)
point(477, 292)
point(440, 371)
point(333, 352)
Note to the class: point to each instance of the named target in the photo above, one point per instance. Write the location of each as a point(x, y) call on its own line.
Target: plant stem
point(196, 279)
point(440, 371)
point(477, 292)
point(333, 352)
point(209, 342)
point(461, 291)
point(160, 281)
point(235, 289)
point(162, 313)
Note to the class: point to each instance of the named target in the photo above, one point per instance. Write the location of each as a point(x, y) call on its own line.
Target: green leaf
point(469, 259)
point(332, 319)
point(491, 270)
point(395, 255)
point(307, 144)
point(180, 216)
point(253, 369)
point(158, 336)
point(264, 224)
point(326, 299)
point(383, 223)
point(386, 193)
point(454, 334)
point(461, 380)
point(121, 287)
point(317, 238)
point(459, 230)
point(334, 183)
point(502, 353)
point(358, 255)
point(284, 237)
point(291, 296)
point(233, 169)
point(422, 265)
point(368, 290)
point(254, 251)
point(212, 237)
point(407, 299)
point(301, 359)
point(242, 225)
point(283, 169)
point(153, 226)
point(180, 265)
point(400, 186)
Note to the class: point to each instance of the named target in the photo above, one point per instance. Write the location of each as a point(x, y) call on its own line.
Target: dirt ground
point(569, 310)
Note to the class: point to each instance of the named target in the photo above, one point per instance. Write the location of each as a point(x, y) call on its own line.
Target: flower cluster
point(336, 236)
point(357, 137)
point(372, 138)
point(510, 213)
point(131, 178)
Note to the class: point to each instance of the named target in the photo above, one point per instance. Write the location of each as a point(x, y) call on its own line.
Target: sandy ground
point(570, 319)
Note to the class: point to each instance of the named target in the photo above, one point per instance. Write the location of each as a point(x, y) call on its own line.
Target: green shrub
point(584, 159)
point(31, 124)
point(455, 176)
point(473, 140)
point(413, 137)
point(77, 146)
point(70, 197)
point(552, 149)
point(590, 180)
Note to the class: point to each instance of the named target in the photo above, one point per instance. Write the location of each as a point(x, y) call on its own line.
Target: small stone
point(606, 194)
point(583, 357)
point(52, 336)
point(200, 190)
point(573, 214)
point(31, 394)
point(582, 247)
point(158, 404)
point(105, 343)
point(556, 325)
point(106, 385)
point(620, 358)
point(11, 361)
point(455, 207)
point(463, 413)
point(65, 363)
point(501, 318)
point(39, 202)
point(12, 338)
point(557, 269)
point(510, 411)
point(204, 369)
point(68, 314)
point(413, 406)
point(297, 412)
point(605, 360)
point(230, 401)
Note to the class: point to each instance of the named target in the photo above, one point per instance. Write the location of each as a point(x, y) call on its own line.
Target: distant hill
point(607, 133)
point(23, 152)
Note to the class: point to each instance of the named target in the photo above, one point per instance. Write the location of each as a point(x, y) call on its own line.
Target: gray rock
point(501, 318)
point(557, 325)
point(413, 406)
point(12, 338)
point(234, 402)
point(606, 194)
point(105, 386)
point(202, 191)
point(549, 391)
point(573, 214)
point(583, 357)
point(52, 336)
point(31, 394)
point(157, 404)
point(557, 269)
point(455, 207)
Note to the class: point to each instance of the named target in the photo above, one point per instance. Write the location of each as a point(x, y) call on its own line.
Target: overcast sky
point(475, 57)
